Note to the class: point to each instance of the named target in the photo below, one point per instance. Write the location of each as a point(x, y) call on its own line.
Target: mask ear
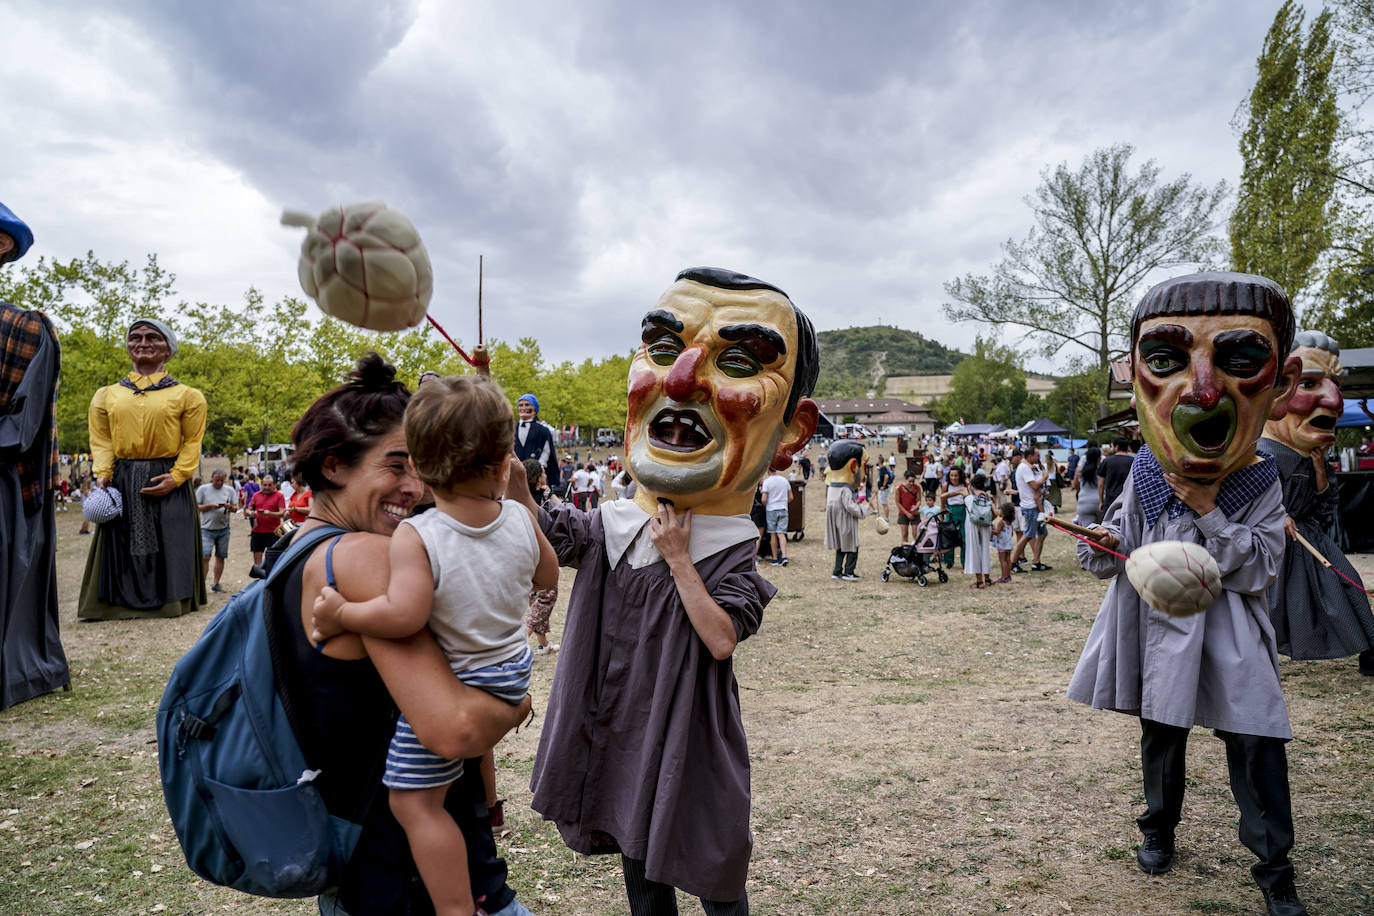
point(1287, 387)
point(797, 433)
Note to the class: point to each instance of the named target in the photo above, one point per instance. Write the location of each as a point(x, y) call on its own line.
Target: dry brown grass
point(913, 752)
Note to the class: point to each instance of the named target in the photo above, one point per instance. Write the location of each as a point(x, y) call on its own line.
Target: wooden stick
point(1095, 533)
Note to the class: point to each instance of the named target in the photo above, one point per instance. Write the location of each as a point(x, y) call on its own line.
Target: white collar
point(626, 527)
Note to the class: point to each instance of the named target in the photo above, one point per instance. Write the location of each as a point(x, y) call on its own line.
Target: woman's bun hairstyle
point(347, 421)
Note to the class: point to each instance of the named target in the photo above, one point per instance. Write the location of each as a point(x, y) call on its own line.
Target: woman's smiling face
point(377, 492)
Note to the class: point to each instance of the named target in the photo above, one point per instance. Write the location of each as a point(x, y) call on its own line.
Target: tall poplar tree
point(1285, 208)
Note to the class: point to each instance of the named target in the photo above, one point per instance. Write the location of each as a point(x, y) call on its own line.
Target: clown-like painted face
point(707, 392)
point(1310, 424)
point(1204, 387)
point(525, 410)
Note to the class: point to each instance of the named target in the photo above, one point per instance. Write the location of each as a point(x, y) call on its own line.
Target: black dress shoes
point(1155, 855)
point(1282, 899)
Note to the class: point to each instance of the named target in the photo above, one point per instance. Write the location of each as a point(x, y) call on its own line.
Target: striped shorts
point(411, 765)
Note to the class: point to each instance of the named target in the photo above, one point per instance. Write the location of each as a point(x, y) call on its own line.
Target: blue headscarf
point(531, 398)
point(16, 229)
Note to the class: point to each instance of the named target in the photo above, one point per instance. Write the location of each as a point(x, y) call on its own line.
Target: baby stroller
point(915, 561)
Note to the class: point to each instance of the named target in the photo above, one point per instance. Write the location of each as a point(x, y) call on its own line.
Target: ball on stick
point(365, 263)
point(1176, 577)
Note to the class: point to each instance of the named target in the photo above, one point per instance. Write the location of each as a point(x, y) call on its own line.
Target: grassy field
point(913, 752)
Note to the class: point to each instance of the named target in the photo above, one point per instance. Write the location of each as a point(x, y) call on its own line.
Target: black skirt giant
point(145, 563)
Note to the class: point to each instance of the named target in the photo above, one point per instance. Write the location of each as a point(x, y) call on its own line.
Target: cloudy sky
point(856, 154)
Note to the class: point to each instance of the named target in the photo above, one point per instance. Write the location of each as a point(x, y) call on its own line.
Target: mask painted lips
point(1205, 431)
point(679, 431)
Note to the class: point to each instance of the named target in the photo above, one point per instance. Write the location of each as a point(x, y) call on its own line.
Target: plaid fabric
point(1238, 489)
point(21, 333)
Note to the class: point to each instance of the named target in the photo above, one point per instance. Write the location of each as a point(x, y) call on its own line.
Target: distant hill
point(853, 360)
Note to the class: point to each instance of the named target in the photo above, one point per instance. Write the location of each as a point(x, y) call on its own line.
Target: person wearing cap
point(533, 439)
point(32, 661)
point(145, 434)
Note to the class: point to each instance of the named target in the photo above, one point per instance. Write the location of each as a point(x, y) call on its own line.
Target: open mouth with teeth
point(679, 431)
point(1205, 430)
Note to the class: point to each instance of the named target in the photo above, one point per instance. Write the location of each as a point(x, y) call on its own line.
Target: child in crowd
point(82, 493)
point(930, 508)
point(460, 433)
point(542, 600)
point(1002, 531)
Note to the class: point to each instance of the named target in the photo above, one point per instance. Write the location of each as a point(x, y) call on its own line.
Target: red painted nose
point(1203, 392)
point(1330, 396)
point(684, 381)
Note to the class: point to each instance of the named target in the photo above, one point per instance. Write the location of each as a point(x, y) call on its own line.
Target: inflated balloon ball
point(882, 525)
point(365, 263)
point(1178, 578)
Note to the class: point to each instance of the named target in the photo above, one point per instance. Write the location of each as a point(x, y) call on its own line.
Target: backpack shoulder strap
point(301, 544)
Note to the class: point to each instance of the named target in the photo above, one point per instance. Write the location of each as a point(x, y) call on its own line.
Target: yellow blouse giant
point(168, 423)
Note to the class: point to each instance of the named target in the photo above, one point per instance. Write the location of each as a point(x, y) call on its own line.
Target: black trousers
point(845, 561)
point(1258, 769)
point(652, 898)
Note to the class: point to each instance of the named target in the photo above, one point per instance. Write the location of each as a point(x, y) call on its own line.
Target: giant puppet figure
point(31, 658)
point(1209, 353)
point(643, 751)
point(1316, 612)
point(146, 431)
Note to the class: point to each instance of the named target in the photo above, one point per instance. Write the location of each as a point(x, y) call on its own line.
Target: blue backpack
point(238, 788)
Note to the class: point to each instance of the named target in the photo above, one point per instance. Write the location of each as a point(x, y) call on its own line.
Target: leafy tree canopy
point(1099, 232)
point(259, 364)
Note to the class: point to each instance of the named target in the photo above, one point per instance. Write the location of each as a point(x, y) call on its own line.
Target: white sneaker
point(541, 650)
point(553, 647)
point(852, 577)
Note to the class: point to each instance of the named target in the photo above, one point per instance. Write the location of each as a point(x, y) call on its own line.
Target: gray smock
point(842, 514)
point(1217, 669)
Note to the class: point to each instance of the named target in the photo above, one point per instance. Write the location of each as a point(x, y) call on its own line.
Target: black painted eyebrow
point(1243, 337)
point(758, 331)
point(659, 319)
point(1168, 333)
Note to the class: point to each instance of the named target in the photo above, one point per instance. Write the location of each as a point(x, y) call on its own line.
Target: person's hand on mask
point(1200, 497)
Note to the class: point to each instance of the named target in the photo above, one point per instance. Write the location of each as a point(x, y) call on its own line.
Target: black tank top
point(346, 718)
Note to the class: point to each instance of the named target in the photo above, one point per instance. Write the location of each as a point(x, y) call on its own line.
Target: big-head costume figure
point(1210, 358)
point(643, 751)
point(1316, 613)
point(32, 661)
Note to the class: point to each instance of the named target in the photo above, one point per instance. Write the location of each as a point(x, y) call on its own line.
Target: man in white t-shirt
point(1030, 479)
point(1001, 473)
point(777, 493)
point(582, 486)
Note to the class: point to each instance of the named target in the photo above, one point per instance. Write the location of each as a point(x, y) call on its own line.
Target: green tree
point(1099, 232)
point(1078, 399)
point(987, 387)
point(1346, 308)
point(1285, 206)
point(92, 303)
